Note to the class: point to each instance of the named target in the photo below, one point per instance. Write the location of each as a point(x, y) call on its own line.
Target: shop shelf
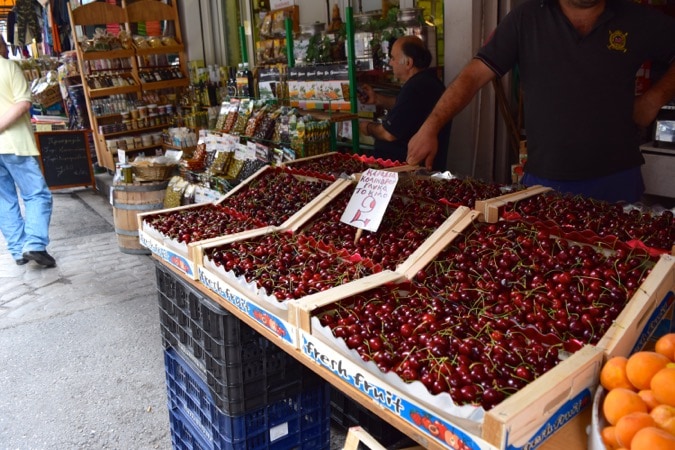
point(298, 420)
point(242, 368)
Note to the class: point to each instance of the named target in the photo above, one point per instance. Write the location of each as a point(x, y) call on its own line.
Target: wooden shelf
point(164, 84)
point(140, 149)
point(126, 16)
point(110, 54)
point(106, 92)
point(163, 50)
point(134, 132)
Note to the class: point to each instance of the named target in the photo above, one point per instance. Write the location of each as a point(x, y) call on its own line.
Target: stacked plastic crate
point(228, 386)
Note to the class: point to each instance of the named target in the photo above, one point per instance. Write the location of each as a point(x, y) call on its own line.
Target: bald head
point(413, 47)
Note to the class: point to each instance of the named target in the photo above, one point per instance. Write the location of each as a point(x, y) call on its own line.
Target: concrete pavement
point(81, 359)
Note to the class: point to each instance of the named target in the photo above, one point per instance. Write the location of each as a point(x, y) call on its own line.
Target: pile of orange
point(640, 402)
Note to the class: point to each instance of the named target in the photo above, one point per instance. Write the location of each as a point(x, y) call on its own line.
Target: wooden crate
point(185, 257)
point(255, 310)
point(490, 209)
point(532, 415)
point(179, 255)
point(453, 225)
point(637, 322)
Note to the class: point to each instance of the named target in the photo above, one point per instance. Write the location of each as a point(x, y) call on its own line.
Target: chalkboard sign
point(65, 158)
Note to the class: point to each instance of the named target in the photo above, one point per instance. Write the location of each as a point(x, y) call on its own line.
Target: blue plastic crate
point(242, 368)
point(300, 420)
point(183, 434)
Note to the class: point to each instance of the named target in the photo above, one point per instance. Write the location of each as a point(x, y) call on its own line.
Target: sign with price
point(370, 199)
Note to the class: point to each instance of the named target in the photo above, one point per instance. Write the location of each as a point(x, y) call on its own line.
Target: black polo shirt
point(579, 90)
point(414, 103)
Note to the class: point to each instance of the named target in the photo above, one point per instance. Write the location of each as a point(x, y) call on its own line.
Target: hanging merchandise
point(27, 24)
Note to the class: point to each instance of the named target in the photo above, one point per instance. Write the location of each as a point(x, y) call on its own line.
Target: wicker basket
point(49, 96)
point(153, 172)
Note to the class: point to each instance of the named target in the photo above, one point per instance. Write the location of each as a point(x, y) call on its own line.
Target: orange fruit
point(613, 374)
point(652, 438)
point(608, 435)
point(630, 424)
point(663, 386)
point(664, 416)
point(620, 402)
point(642, 366)
point(665, 345)
point(648, 396)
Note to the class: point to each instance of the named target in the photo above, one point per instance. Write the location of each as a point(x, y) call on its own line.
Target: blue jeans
point(625, 186)
point(30, 232)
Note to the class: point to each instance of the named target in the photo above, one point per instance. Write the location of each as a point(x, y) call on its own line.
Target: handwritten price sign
point(370, 199)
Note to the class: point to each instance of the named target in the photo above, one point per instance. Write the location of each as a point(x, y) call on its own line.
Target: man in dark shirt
point(577, 61)
point(419, 93)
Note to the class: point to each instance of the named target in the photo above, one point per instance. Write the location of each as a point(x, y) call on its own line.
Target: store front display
point(477, 316)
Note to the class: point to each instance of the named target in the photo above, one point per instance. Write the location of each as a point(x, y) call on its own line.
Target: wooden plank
point(439, 239)
point(489, 208)
point(149, 10)
point(622, 336)
point(97, 13)
point(356, 435)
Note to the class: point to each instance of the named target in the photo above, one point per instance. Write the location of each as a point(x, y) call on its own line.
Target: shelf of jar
point(165, 84)
point(163, 50)
point(140, 149)
point(136, 131)
point(108, 91)
point(107, 54)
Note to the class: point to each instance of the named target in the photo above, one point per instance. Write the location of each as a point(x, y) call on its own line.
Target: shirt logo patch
point(617, 41)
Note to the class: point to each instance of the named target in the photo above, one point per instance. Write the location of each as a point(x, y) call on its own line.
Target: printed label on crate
point(270, 321)
point(180, 262)
point(562, 416)
point(660, 319)
point(278, 432)
point(421, 418)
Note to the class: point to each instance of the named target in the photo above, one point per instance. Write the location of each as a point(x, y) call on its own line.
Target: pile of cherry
point(336, 164)
point(575, 214)
point(455, 191)
point(325, 252)
point(494, 310)
point(268, 199)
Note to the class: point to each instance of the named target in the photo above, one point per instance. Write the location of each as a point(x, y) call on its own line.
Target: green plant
point(384, 29)
point(319, 50)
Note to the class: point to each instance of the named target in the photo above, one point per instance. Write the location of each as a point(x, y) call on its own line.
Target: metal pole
point(289, 41)
point(244, 50)
point(351, 64)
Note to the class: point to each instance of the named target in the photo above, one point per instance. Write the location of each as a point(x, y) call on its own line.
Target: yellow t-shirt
point(18, 138)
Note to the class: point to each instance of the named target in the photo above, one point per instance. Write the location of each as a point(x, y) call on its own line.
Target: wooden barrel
point(128, 200)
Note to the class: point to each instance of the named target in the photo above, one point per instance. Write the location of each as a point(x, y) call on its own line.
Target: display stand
point(132, 65)
point(571, 435)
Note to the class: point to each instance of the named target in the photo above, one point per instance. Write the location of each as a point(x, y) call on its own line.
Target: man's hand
point(422, 148)
point(366, 94)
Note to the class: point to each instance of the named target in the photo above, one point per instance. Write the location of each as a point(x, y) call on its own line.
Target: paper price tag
point(369, 201)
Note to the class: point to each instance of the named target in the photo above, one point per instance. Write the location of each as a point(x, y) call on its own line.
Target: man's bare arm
point(423, 146)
